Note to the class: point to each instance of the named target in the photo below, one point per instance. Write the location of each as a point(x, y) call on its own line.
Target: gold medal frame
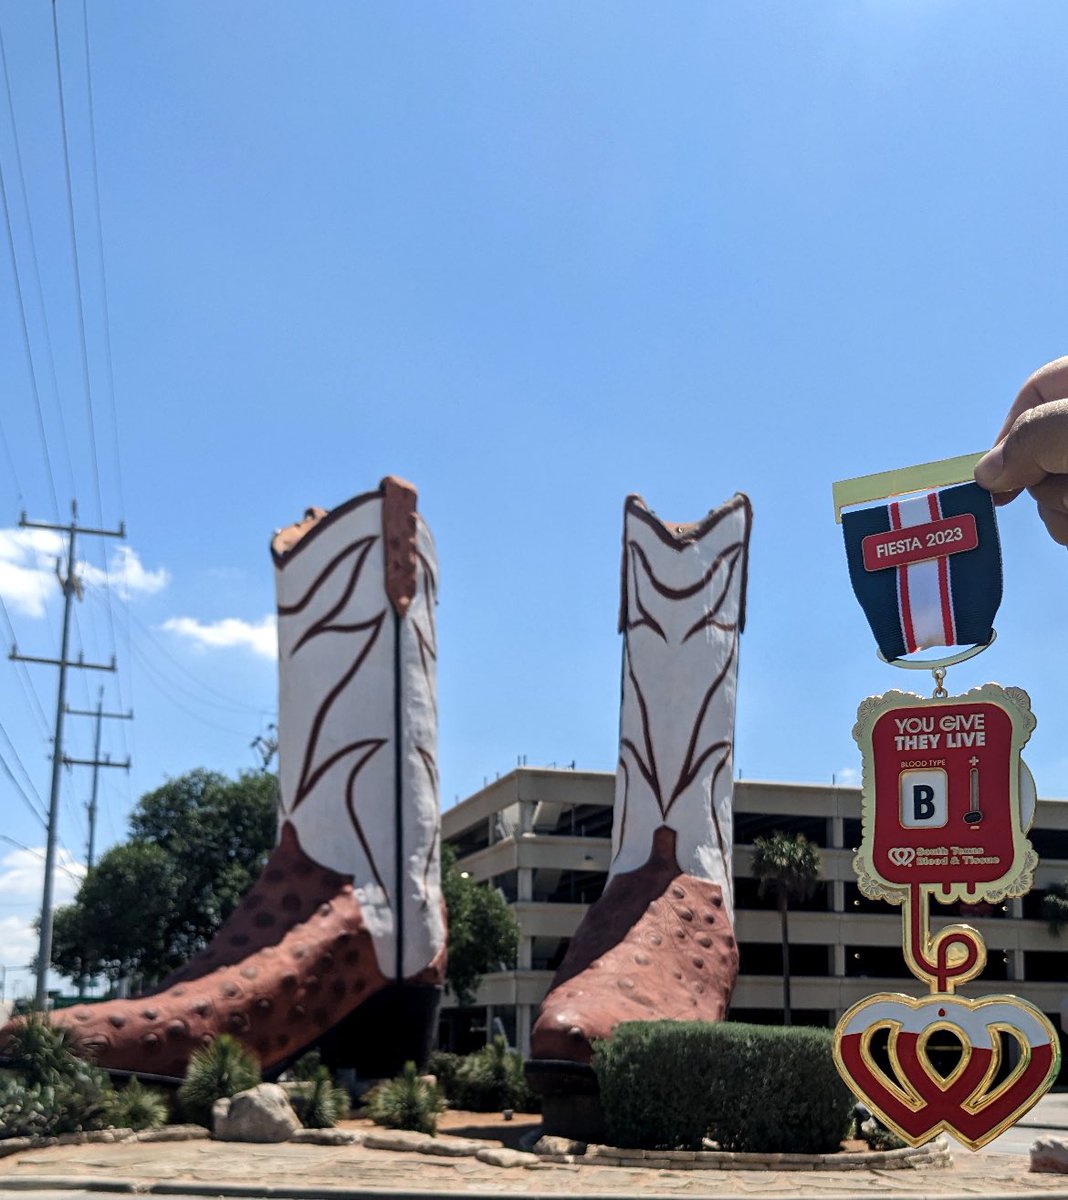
point(1018, 878)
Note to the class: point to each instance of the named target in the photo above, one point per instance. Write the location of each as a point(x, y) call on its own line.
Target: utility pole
point(96, 762)
point(72, 586)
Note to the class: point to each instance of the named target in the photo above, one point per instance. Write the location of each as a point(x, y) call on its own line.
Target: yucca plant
point(318, 1102)
point(306, 1068)
point(222, 1069)
point(41, 1052)
point(407, 1102)
point(138, 1107)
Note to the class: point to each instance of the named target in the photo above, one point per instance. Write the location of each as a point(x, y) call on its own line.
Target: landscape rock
point(16, 1145)
point(262, 1114)
point(549, 1143)
point(328, 1137)
point(507, 1158)
point(1050, 1154)
point(174, 1133)
point(421, 1143)
point(398, 1139)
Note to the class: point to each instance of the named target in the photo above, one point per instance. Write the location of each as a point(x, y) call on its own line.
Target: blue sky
point(533, 257)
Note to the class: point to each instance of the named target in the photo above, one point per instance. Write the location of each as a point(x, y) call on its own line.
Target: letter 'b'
point(923, 808)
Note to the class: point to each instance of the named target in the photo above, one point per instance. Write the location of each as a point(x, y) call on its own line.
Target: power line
point(37, 854)
point(35, 262)
point(81, 647)
point(22, 767)
point(18, 788)
point(26, 342)
point(103, 271)
point(223, 701)
point(27, 683)
point(80, 306)
point(19, 497)
point(152, 673)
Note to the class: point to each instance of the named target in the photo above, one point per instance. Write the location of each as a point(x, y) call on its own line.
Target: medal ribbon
point(927, 568)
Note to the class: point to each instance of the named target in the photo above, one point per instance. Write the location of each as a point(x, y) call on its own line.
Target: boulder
point(1050, 1154)
point(262, 1114)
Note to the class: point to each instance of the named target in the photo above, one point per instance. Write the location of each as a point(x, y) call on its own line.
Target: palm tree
point(788, 866)
point(1055, 907)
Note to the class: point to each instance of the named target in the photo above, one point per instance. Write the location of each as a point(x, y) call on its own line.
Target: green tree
point(483, 932)
point(197, 845)
point(788, 866)
point(120, 921)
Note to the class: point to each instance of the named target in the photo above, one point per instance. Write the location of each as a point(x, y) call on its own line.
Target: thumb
point(1035, 446)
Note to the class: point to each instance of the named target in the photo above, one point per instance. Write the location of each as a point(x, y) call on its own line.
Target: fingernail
point(988, 469)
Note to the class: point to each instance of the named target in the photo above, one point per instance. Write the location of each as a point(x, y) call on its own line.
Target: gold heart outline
point(910, 1096)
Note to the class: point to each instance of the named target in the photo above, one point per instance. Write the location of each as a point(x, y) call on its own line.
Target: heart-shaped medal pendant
point(917, 1101)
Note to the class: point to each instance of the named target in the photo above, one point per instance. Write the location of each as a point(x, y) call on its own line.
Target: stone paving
point(208, 1168)
point(216, 1168)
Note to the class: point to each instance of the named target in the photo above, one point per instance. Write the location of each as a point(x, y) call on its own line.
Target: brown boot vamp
point(657, 945)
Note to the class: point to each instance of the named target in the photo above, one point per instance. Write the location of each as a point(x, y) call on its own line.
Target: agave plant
point(318, 1102)
point(407, 1102)
point(222, 1069)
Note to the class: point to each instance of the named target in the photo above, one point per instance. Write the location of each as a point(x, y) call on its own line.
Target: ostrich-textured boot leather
point(659, 942)
point(349, 902)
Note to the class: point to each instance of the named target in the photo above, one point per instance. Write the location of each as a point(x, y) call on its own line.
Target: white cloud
point(847, 777)
point(127, 575)
point(19, 940)
point(28, 560)
point(22, 875)
point(260, 637)
point(21, 879)
point(27, 568)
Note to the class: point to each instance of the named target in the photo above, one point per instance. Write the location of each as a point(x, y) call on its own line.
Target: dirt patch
point(485, 1126)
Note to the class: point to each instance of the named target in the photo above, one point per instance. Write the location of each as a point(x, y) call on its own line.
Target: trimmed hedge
point(755, 1088)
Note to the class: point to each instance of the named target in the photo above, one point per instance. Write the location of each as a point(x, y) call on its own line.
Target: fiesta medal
point(946, 804)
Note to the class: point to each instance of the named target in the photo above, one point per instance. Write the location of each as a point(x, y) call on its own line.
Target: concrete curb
point(44, 1183)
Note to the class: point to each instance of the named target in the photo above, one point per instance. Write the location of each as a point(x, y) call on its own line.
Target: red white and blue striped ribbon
point(924, 595)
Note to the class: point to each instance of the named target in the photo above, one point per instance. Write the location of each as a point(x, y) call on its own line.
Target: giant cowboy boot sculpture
point(348, 909)
point(659, 943)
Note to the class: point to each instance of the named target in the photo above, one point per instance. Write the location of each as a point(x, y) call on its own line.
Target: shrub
point(318, 1102)
point(222, 1069)
point(50, 1090)
point(306, 1068)
point(406, 1102)
point(878, 1137)
point(758, 1088)
point(22, 1108)
point(138, 1107)
point(40, 1052)
point(492, 1079)
point(444, 1066)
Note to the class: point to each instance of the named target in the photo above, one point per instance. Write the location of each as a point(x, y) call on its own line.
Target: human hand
point(1031, 450)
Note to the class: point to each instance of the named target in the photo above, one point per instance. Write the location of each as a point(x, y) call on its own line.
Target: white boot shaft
point(358, 713)
point(682, 610)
